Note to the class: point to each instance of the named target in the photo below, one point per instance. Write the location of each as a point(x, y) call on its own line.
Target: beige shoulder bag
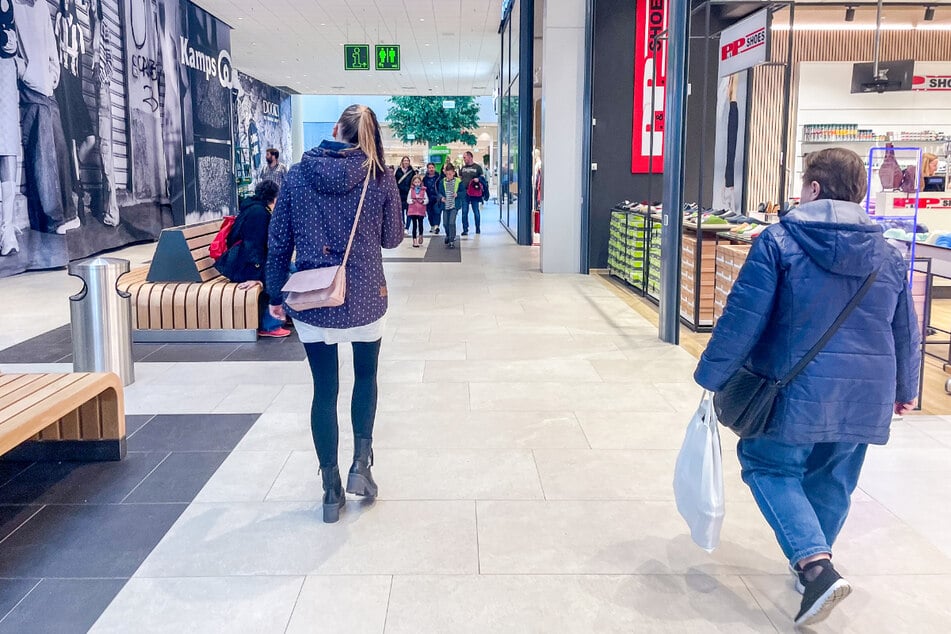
point(325, 287)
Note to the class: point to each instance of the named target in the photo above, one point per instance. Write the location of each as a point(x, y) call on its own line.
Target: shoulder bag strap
point(356, 221)
point(852, 305)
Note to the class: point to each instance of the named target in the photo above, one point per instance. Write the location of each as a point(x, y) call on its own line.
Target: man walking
point(274, 170)
point(473, 189)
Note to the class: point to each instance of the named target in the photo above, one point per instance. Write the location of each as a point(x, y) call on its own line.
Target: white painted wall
point(563, 135)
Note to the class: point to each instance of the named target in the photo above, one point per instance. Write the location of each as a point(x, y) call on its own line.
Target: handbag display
point(324, 287)
point(745, 404)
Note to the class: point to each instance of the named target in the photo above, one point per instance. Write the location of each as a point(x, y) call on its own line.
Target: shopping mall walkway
point(525, 446)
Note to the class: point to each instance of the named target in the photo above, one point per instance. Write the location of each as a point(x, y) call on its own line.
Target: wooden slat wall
point(766, 134)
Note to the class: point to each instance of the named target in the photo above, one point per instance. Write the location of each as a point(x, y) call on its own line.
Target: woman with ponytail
point(314, 216)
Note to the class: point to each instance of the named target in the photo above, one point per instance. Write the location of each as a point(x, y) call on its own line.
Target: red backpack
point(220, 244)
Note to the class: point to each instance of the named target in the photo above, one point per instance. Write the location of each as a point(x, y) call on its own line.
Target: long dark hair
point(358, 125)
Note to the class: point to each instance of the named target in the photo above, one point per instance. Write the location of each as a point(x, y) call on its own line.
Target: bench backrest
point(182, 254)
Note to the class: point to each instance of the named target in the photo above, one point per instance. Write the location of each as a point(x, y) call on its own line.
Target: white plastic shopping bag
point(698, 477)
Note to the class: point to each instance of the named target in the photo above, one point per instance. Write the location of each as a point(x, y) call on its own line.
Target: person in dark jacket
point(246, 256)
point(432, 181)
point(800, 275)
point(315, 214)
point(404, 180)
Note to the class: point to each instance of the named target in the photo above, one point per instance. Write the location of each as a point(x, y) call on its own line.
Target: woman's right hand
point(277, 312)
point(903, 408)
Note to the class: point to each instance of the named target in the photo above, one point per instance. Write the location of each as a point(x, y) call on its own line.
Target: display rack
point(627, 247)
point(906, 221)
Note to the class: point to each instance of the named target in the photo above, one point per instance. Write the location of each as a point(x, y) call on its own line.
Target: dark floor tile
point(93, 540)
point(12, 592)
point(191, 352)
point(135, 422)
point(37, 350)
point(13, 516)
point(192, 432)
point(142, 351)
point(270, 350)
point(179, 478)
point(62, 605)
point(10, 469)
point(80, 482)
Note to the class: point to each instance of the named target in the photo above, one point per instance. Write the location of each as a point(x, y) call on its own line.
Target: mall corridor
point(525, 447)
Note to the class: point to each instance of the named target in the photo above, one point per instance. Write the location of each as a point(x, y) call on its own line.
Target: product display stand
point(627, 247)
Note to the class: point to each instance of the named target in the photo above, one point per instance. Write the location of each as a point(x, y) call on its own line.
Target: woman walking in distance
point(404, 180)
point(314, 215)
point(9, 128)
point(800, 276)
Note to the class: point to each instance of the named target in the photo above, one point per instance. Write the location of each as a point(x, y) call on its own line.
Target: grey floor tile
point(268, 350)
point(12, 592)
point(80, 482)
point(180, 352)
point(276, 538)
point(355, 605)
point(192, 432)
point(102, 540)
point(178, 479)
point(573, 604)
point(61, 605)
point(252, 605)
point(245, 476)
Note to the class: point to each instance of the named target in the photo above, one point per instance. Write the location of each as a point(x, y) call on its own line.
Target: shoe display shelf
point(627, 247)
point(655, 225)
point(698, 275)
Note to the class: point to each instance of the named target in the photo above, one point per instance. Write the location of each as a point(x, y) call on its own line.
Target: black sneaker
point(822, 593)
point(465, 233)
point(800, 579)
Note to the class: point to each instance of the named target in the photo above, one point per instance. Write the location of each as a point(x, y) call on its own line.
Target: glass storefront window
point(508, 122)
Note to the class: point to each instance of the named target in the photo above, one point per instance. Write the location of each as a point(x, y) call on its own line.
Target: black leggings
point(323, 413)
point(417, 222)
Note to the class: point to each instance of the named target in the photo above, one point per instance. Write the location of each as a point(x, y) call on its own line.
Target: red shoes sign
point(929, 83)
point(650, 77)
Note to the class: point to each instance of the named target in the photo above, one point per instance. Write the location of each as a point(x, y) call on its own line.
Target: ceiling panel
point(447, 46)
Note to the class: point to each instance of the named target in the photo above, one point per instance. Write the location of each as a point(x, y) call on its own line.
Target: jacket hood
point(333, 167)
point(838, 236)
point(250, 202)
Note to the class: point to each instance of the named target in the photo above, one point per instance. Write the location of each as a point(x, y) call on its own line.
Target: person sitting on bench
point(247, 252)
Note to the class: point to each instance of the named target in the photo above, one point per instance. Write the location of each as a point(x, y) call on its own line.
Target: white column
point(562, 135)
point(297, 128)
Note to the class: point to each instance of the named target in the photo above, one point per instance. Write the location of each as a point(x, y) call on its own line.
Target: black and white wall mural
point(116, 120)
point(262, 121)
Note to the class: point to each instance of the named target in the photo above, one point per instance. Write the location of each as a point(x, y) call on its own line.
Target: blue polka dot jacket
point(314, 215)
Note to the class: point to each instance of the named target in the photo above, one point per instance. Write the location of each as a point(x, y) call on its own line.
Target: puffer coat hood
point(798, 277)
point(313, 218)
point(837, 235)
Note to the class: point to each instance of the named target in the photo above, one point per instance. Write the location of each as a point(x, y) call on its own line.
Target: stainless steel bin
point(101, 319)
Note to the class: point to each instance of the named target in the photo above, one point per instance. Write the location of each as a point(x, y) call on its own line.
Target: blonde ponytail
point(370, 140)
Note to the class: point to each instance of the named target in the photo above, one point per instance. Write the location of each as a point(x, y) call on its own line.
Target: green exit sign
point(387, 56)
point(356, 57)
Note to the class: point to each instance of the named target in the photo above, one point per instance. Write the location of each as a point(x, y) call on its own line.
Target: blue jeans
point(474, 204)
point(803, 491)
point(449, 224)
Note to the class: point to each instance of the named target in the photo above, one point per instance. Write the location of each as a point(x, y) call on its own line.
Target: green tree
point(426, 121)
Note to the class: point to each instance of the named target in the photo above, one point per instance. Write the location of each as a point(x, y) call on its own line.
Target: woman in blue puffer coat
point(799, 276)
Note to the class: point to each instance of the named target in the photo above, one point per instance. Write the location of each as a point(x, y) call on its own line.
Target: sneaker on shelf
point(821, 594)
point(277, 333)
point(69, 225)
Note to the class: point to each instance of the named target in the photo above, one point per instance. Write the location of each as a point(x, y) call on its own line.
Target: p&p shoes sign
point(745, 44)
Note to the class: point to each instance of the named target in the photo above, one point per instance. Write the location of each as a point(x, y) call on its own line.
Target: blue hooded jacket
point(798, 277)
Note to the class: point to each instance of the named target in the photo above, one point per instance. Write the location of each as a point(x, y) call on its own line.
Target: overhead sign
point(387, 56)
point(745, 44)
point(448, 104)
point(211, 65)
point(647, 145)
point(356, 57)
point(932, 83)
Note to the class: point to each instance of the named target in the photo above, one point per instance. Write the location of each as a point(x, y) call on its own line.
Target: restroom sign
point(745, 44)
point(387, 57)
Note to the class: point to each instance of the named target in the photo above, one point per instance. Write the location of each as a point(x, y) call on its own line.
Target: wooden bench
point(180, 297)
point(75, 416)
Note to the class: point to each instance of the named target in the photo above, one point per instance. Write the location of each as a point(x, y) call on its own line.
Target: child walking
point(451, 184)
point(417, 199)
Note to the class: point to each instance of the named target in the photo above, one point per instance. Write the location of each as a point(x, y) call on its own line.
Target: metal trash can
point(101, 319)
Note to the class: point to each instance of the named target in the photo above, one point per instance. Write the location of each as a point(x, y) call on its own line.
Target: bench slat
point(34, 392)
point(191, 231)
point(54, 402)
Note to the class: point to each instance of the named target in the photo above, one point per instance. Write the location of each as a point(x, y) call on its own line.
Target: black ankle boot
point(360, 481)
point(334, 497)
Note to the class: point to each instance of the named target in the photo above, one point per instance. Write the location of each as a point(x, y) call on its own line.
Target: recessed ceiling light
point(422, 19)
point(427, 45)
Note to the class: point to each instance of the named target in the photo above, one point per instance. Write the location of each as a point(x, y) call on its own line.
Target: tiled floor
point(525, 445)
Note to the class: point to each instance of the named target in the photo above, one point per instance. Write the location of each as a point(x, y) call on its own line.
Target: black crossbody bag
point(746, 402)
